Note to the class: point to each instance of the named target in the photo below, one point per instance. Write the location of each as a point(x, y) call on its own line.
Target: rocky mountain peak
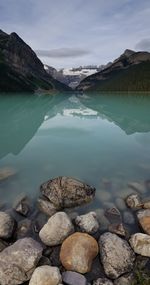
point(128, 52)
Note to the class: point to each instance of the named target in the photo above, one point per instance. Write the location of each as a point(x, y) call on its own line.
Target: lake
point(102, 139)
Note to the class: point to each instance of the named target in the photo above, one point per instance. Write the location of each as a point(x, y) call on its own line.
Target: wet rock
point(46, 275)
point(116, 255)
point(117, 229)
point(120, 204)
point(24, 228)
point(54, 256)
point(78, 251)
point(46, 207)
point(103, 196)
point(96, 271)
point(126, 279)
point(103, 221)
point(133, 201)
point(44, 261)
point(73, 278)
point(22, 205)
point(7, 224)
point(56, 229)
point(65, 192)
point(18, 261)
point(3, 245)
point(137, 187)
point(102, 281)
point(6, 172)
point(140, 244)
point(88, 223)
point(128, 218)
point(146, 205)
point(144, 220)
point(39, 221)
point(113, 215)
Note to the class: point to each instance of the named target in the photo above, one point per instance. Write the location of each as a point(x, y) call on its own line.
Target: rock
point(46, 207)
point(103, 221)
point(7, 224)
point(22, 205)
point(96, 270)
point(18, 261)
point(3, 245)
point(24, 228)
point(120, 204)
point(102, 281)
point(144, 220)
point(127, 279)
point(56, 229)
point(44, 261)
point(88, 223)
point(140, 244)
point(73, 278)
point(146, 205)
point(54, 256)
point(117, 229)
point(137, 187)
point(6, 172)
point(46, 275)
point(65, 192)
point(128, 218)
point(113, 215)
point(133, 201)
point(116, 255)
point(39, 221)
point(78, 251)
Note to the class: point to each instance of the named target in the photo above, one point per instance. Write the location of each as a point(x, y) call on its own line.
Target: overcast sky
point(67, 33)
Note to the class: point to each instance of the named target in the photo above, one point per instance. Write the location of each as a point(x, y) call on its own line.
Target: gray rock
point(128, 218)
point(73, 278)
point(127, 279)
point(113, 215)
point(3, 245)
point(22, 205)
point(18, 261)
point(137, 187)
point(133, 201)
point(57, 228)
point(65, 192)
point(7, 224)
point(46, 207)
point(24, 228)
point(116, 255)
point(88, 223)
point(117, 229)
point(102, 281)
point(146, 204)
point(46, 275)
point(44, 261)
point(140, 244)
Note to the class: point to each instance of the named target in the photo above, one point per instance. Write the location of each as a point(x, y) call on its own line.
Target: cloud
point(63, 52)
point(143, 45)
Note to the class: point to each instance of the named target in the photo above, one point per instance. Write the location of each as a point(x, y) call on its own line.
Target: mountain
point(20, 68)
point(129, 72)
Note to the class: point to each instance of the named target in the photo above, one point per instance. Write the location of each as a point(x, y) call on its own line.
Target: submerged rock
point(140, 244)
point(113, 215)
point(58, 227)
point(102, 281)
point(88, 223)
point(137, 187)
point(144, 220)
point(7, 224)
point(46, 275)
point(73, 278)
point(18, 261)
point(22, 205)
point(117, 229)
point(78, 251)
point(133, 201)
point(65, 192)
point(6, 172)
point(46, 207)
point(116, 255)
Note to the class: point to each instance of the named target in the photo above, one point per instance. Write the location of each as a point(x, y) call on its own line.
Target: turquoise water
point(102, 139)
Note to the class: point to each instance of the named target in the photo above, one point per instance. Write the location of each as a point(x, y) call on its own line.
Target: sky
point(70, 33)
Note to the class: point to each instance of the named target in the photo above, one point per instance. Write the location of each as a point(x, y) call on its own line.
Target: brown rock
point(117, 229)
point(144, 220)
point(78, 251)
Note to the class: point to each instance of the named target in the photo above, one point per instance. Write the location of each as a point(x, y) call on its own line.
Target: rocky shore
point(50, 243)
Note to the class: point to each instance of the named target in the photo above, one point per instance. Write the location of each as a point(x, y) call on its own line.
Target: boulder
point(66, 192)
point(78, 251)
point(18, 261)
point(140, 244)
point(73, 278)
point(133, 201)
point(58, 227)
point(46, 275)
point(46, 207)
point(144, 220)
point(102, 281)
point(7, 224)
point(116, 255)
point(22, 205)
point(88, 223)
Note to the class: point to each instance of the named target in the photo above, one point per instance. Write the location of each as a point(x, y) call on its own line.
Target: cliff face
point(21, 69)
point(129, 72)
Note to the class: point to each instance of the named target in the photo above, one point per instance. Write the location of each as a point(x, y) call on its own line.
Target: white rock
point(58, 227)
point(88, 223)
point(133, 201)
point(140, 244)
point(46, 275)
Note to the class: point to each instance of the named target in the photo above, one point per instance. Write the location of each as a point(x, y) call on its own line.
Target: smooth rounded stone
point(46, 275)
point(88, 223)
point(58, 227)
point(103, 281)
point(24, 228)
point(7, 224)
point(22, 205)
point(137, 187)
point(6, 172)
point(103, 196)
point(66, 192)
point(120, 204)
point(73, 278)
point(140, 244)
point(116, 255)
point(18, 261)
point(113, 215)
point(128, 218)
point(46, 207)
point(78, 251)
point(117, 229)
point(133, 201)
point(144, 220)
point(126, 279)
